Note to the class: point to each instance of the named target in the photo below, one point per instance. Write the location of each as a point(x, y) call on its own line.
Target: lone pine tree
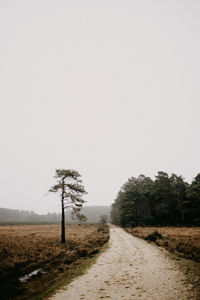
point(71, 191)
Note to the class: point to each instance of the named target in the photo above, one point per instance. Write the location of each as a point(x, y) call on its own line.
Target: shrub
point(153, 236)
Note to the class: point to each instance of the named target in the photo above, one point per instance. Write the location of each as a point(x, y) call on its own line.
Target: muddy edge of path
point(134, 269)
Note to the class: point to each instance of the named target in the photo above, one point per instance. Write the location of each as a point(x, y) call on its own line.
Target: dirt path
point(133, 269)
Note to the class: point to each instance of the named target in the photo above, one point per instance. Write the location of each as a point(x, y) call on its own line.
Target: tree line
point(93, 215)
point(167, 200)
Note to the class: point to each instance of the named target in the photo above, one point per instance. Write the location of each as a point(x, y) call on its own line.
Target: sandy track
point(131, 269)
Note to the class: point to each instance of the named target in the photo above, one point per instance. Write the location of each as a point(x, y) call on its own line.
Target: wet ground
point(134, 269)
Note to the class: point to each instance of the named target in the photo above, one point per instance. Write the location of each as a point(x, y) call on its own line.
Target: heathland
point(36, 250)
point(184, 241)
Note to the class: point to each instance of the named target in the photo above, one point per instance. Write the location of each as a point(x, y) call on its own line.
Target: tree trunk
point(63, 216)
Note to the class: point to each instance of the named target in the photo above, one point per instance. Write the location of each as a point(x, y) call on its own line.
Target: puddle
point(30, 275)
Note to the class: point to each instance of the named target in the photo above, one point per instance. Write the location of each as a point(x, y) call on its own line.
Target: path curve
point(131, 268)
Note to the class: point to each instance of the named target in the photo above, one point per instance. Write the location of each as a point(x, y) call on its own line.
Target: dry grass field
point(184, 241)
point(24, 249)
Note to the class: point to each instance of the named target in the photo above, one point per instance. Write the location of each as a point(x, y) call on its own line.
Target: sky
point(109, 88)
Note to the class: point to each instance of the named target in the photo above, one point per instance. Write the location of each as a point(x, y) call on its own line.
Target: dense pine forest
point(167, 200)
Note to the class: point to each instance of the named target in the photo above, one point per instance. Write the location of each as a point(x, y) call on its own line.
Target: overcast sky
point(109, 88)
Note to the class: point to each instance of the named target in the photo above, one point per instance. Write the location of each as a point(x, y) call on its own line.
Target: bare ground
point(134, 269)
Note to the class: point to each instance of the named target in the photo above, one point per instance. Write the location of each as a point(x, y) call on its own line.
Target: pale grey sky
point(109, 88)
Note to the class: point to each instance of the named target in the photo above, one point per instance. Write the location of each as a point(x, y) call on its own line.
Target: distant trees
point(69, 184)
point(115, 212)
point(168, 200)
point(133, 202)
point(103, 219)
point(192, 204)
point(88, 215)
point(81, 218)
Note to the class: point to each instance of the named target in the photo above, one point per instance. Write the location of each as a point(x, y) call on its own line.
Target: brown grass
point(184, 241)
point(24, 249)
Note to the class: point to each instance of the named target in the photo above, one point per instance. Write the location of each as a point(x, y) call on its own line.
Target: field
point(25, 249)
point(184, 241)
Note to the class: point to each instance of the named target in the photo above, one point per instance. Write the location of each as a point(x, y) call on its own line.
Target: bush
point(153, 236)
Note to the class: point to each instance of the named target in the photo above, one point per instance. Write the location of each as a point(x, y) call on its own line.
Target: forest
point(167, 200)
